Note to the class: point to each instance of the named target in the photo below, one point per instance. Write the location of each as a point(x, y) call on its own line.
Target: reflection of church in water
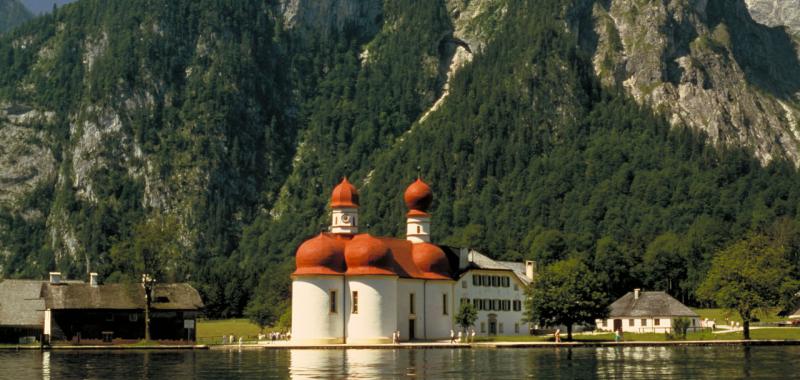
point(352, 287)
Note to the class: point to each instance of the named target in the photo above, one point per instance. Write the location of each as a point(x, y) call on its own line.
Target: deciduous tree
point(566, 292)
point(749, 277)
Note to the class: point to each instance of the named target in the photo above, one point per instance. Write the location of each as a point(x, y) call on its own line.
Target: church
point(355, 288)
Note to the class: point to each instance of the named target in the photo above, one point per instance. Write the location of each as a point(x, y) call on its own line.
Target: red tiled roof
point(364, 254)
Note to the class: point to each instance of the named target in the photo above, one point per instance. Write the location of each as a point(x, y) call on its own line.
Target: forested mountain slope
point(12, 13)
point(213, 131)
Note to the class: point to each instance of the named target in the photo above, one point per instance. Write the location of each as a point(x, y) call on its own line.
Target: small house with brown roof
point(642, 312)
point(38, 310)
point(89, 311)
point(21, 308)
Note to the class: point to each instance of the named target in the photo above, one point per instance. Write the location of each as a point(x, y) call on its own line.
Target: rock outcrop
point(707, 65)
point(776, 13)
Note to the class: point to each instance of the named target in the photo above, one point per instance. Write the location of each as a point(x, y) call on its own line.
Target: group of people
point(469, 336)
point(275, 335)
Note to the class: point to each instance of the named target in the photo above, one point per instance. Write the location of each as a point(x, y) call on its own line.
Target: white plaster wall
point(404, 288)
point(438, 324)
point(376, 319)
point(312, 320)
point(665, 325)
point(424, 225)
point(507, 318)
point(338, 226)
point(48, 327)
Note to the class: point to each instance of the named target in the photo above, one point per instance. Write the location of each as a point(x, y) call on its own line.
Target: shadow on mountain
point(767, 55)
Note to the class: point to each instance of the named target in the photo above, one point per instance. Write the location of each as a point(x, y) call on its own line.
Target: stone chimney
point(55, 277)
point(530, 269)
point(93, 279)
point(636, 293)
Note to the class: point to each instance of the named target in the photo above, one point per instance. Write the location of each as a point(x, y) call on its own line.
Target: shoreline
point(496, 345)
point(416, 345)
point(109, 347)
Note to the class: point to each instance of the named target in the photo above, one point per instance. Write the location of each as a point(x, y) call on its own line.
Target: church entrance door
point(412, 329)
point(492, 324)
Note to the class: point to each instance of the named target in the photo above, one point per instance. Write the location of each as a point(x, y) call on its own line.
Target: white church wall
point(438, 320)
point(406, 287)
point(313, 321)
point(506, 322)
point(376, 318)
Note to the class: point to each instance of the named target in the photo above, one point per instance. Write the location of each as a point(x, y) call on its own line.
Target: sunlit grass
point(207, 329)
point(720, 315)
point(775, 333)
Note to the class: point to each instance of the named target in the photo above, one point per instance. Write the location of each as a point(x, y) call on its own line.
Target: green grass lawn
point(776, 333)
point(719, 315)
point(207, 329)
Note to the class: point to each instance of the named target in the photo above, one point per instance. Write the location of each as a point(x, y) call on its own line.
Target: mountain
point(39, 7)
point(776, 13)
point(213, 131)
point(12, 13)
point(708, 65)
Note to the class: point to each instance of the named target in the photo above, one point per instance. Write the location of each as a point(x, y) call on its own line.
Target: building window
point(693, 320)
point(474, 280)
point(355, 302)
point(603, 322)
point(483, 327)
point(516, 328)
point(506, 282)
point(644, 322)
point(332, 301)
point(464, 284)
point(494, 281)
point(630, 322)
point(657, 322)
point(411, 303)
point(444, 304)
point(419, 229)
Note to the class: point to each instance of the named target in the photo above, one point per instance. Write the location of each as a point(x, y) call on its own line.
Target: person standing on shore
point(616, 336)
point(557, 335)
point(452, 336)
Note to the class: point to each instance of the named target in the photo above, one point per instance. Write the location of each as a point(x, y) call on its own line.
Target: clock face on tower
point(346, 219)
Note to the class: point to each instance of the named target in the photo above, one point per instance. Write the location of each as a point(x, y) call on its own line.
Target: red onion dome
point(320, 255)
point(418, 196)
point(344, 195)
point(366, 255)
point(431, 260)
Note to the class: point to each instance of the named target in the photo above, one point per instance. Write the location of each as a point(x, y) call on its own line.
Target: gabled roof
point(119, 297)
point(20, 304)
point(649, 304)
point(478, 260)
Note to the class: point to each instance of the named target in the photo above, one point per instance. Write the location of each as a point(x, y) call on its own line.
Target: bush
point(680, 326)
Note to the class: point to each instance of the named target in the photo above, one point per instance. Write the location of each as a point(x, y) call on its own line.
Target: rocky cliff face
point(776, 13)
point(707, 65)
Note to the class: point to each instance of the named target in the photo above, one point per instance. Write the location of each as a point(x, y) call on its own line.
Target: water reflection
point(550, 363)
point(635, 362)
point(46, 365)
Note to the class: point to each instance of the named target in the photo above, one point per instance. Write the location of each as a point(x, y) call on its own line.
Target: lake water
point(719, 362)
